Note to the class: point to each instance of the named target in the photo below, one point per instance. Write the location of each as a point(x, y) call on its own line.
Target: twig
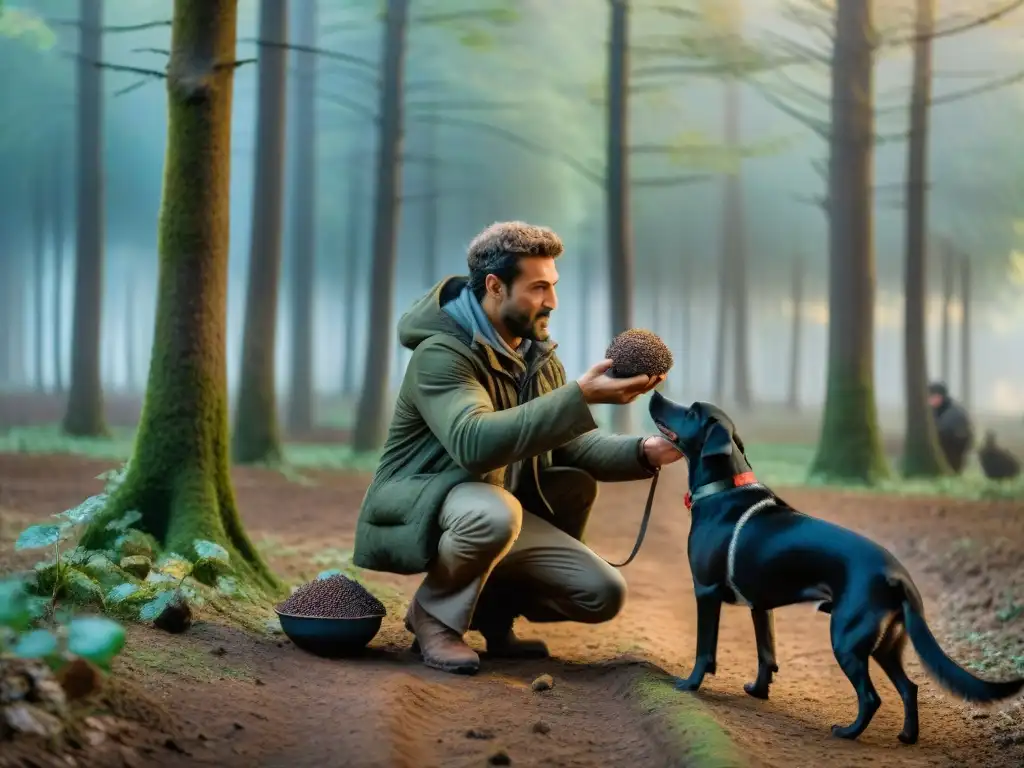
point(160, 51)
point(819, 126)
point(671, 181)
point(136, 70)
point(349, 104)
point(133, 87)
point(975, 23)
point(113, 29)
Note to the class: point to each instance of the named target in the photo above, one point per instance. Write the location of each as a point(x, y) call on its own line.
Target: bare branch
point(700, 70)
point(994, 85)
point(819, 126)
point(233, 64)
point(817, 202)
point(974, 23)
point(350, 104)
point(515, 139)
point(159, 51)
point(133, 87)
point(463, 105)
point(821, 167)
point(136, 70)
point(671, 181)
point(671, 10)
point(803, 90)
point(494, 15)
point(799, 52)
point(364, 64)
point(114, 29)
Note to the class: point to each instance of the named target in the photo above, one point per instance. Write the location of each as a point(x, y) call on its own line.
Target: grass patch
point(782, 465)
point(702, 742)
point(182, 661)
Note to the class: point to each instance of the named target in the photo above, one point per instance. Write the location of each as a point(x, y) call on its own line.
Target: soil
point(219, 696)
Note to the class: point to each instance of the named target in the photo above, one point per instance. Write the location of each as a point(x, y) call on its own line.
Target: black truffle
point(638, 351)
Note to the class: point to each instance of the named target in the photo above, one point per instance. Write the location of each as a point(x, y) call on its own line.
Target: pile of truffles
point(334, 597)
point(638, 352)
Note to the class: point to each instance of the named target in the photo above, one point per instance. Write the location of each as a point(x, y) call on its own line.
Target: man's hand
point(658, 451)
point(600, 388)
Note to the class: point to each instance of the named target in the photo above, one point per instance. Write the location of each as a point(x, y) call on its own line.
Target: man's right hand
point(600, 388)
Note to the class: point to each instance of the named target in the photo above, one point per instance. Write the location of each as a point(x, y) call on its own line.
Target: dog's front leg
point(709, 610)
point(764, 636)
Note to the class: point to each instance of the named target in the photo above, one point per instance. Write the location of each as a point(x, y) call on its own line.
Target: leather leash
point(643, 524)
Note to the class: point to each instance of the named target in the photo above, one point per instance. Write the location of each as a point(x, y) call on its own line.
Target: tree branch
point(114, 29)
point(819, 126)
point(500, 16)
point(350, 104)
point(159, 51)
point(515, 139)
point(994, 85)
point(975, 23)
point(370, 70)
point(463, 105)
point(133, 87)
point(671, 181)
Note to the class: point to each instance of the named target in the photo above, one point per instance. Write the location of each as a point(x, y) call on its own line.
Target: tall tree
point(39, 221)
point(796, 333)
point(303, 221)
point(922, 455)
point(179, 477)
point(371, 418)
point(948, 272)
point(850, 447)
point(58, 176)
point(256, 435)
point(353, 259)
point(966, 393)
point(131, 338)
point(618, 219)
point(84, 414)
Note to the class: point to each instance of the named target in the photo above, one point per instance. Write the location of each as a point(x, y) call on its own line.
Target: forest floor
point(222, 697)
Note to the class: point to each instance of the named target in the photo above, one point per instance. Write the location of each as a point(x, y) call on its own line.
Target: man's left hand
point(658, 451)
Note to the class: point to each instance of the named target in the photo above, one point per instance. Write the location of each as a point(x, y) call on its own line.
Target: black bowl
point(330, 637)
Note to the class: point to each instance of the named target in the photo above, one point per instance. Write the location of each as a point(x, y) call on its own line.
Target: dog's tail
point(947, 672)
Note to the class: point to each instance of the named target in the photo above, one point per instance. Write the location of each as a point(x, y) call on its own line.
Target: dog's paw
point(844, 732)
point(907, 738)
point(755, 690)
point(687, 684)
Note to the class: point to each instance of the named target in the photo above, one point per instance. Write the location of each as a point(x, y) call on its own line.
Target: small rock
point(137, 565)
point(174, 746)
point(480, 733)
point(219, 651)
point(500, 757)
point(238, 726)
point(543, 683)
point(258, 681)
point(176, 617)
point(980, 716)
point(29, 720)
point(541, 727)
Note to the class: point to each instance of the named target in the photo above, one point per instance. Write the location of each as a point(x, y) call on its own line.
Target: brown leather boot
point(440, 646)
point(502, 643)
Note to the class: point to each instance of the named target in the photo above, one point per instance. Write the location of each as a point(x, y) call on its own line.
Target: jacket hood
point(425, 318)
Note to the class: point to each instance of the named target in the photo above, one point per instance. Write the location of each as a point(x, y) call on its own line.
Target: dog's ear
point(739, 443)
point(717, 441)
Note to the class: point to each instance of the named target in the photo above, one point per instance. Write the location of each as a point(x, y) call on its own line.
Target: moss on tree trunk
point(257, 435)
point(178, 478)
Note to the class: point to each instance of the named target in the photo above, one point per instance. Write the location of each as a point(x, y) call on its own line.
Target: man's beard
point(523, 326)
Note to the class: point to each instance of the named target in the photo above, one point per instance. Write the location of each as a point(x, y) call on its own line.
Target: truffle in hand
point(638, 352)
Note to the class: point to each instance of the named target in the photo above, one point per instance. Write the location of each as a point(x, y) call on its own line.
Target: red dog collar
point(737, 481)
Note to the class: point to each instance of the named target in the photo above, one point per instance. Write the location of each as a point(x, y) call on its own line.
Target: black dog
point(747, 546)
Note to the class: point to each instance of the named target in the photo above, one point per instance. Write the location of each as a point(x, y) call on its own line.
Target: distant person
point(956, 435)
point(997, 462)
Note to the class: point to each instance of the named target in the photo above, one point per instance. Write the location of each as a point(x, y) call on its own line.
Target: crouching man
point(492, 460)
point(956, 433)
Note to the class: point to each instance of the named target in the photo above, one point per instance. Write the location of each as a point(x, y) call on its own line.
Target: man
point(492, 460)
point(956, 435)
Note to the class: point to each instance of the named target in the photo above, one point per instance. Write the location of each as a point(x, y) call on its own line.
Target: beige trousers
point(530, 568)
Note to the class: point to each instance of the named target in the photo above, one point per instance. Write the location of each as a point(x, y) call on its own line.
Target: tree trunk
point(735, 243)
point(796, 333)
point(84, 415)
point(686, 293)
point(583, 299)
point(850, 447)
point(300, 398)
point(722, 335)
point(353, 260)
point(371, 419)
point(38, 272)
point(256, 437)
point(948, 288)
point(431, 206)
point(620, 228)
point(966, 390)
point(179, 476)
point(58, 176)
point(922, 456)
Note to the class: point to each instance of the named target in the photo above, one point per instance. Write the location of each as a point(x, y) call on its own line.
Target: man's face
point(526, 305)
point(935, 400)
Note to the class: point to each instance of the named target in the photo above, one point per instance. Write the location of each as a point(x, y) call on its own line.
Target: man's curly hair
point(498, 249)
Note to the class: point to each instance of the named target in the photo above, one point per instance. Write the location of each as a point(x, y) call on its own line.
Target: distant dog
point(996, 462)
point(747, 546)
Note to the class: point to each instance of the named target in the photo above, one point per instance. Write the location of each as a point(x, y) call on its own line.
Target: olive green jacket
point(462, 417)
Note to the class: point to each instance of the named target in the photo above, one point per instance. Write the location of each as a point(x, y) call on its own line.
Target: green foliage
point(24, 26)
point(94, 638)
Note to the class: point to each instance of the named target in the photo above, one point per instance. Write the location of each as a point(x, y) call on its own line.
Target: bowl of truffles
point(331, 616)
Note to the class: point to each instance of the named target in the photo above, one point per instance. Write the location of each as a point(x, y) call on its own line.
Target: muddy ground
point(217, 696)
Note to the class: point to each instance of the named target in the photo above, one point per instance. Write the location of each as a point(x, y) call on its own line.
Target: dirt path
point(243, 700)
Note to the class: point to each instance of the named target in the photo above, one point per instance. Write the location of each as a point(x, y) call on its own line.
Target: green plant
point(94, 638)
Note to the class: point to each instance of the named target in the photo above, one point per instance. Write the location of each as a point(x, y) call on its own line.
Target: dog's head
point(702, 431)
